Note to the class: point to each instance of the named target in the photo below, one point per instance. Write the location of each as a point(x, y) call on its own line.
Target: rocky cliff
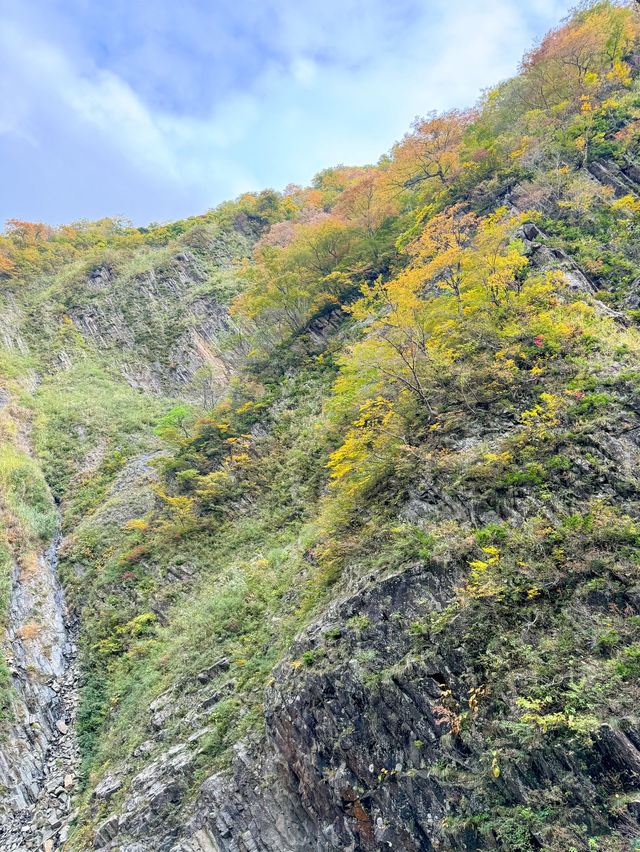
point(319, 512)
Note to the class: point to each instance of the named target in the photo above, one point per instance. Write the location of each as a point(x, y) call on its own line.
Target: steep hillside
point(340, 486)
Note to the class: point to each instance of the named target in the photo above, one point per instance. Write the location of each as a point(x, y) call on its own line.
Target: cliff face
point(40, 759)
point(319, 513)
point(380, 728)
point(117, 331)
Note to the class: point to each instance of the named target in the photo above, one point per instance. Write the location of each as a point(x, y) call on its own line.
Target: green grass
point(169, 580)
point(78, 409)
point(28, 519)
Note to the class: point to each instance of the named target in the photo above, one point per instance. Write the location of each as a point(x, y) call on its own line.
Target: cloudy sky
point(157, 109)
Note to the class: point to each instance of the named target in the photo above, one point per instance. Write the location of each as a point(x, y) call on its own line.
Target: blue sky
point(157, 109)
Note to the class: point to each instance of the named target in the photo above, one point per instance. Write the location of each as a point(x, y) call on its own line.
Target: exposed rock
point(610, 174)
point(167, 359)
point(548, 258)
point(109, 785)
point(631, 300)
point(209, 673)
point(39, 758)
point(106, 832)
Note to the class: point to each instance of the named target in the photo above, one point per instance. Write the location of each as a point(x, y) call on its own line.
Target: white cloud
point(332, 87)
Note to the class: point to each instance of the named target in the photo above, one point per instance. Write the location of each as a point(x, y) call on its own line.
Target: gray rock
point(216, 668)
point(106, 832)
point(109, 785)
point(45, 681)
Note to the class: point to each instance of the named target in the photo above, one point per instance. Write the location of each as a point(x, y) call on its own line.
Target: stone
point(209, 673)
point(48, 693)
point(611, 175)
point(109, 785)
point(106, 831)
point(143, 748)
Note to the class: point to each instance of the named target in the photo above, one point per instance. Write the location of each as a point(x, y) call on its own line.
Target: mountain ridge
point(347, 485)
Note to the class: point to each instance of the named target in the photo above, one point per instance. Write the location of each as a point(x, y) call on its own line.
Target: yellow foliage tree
point(429, 156)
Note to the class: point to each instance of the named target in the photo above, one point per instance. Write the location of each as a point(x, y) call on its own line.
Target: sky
point(155, 109)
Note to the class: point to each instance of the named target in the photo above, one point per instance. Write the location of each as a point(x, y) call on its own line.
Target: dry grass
point(29, 564)
point(29, 631)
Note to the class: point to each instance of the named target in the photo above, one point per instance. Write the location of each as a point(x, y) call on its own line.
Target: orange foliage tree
point(430, 153)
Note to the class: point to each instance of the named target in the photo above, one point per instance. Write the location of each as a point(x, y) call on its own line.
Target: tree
point(439, 311)
point(366, 205)
point(28, 233)
point(181, 513)
point(495, 260)
point(7, 266)
point(569, 61)
point(363, 204)
point(430, 154)
point(439, 251)
point(209, 384)
point(275, 297)
point(174, 425)
point(285, 281)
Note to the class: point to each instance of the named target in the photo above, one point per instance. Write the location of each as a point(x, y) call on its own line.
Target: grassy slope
point(27, 513)
point(239, 573)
